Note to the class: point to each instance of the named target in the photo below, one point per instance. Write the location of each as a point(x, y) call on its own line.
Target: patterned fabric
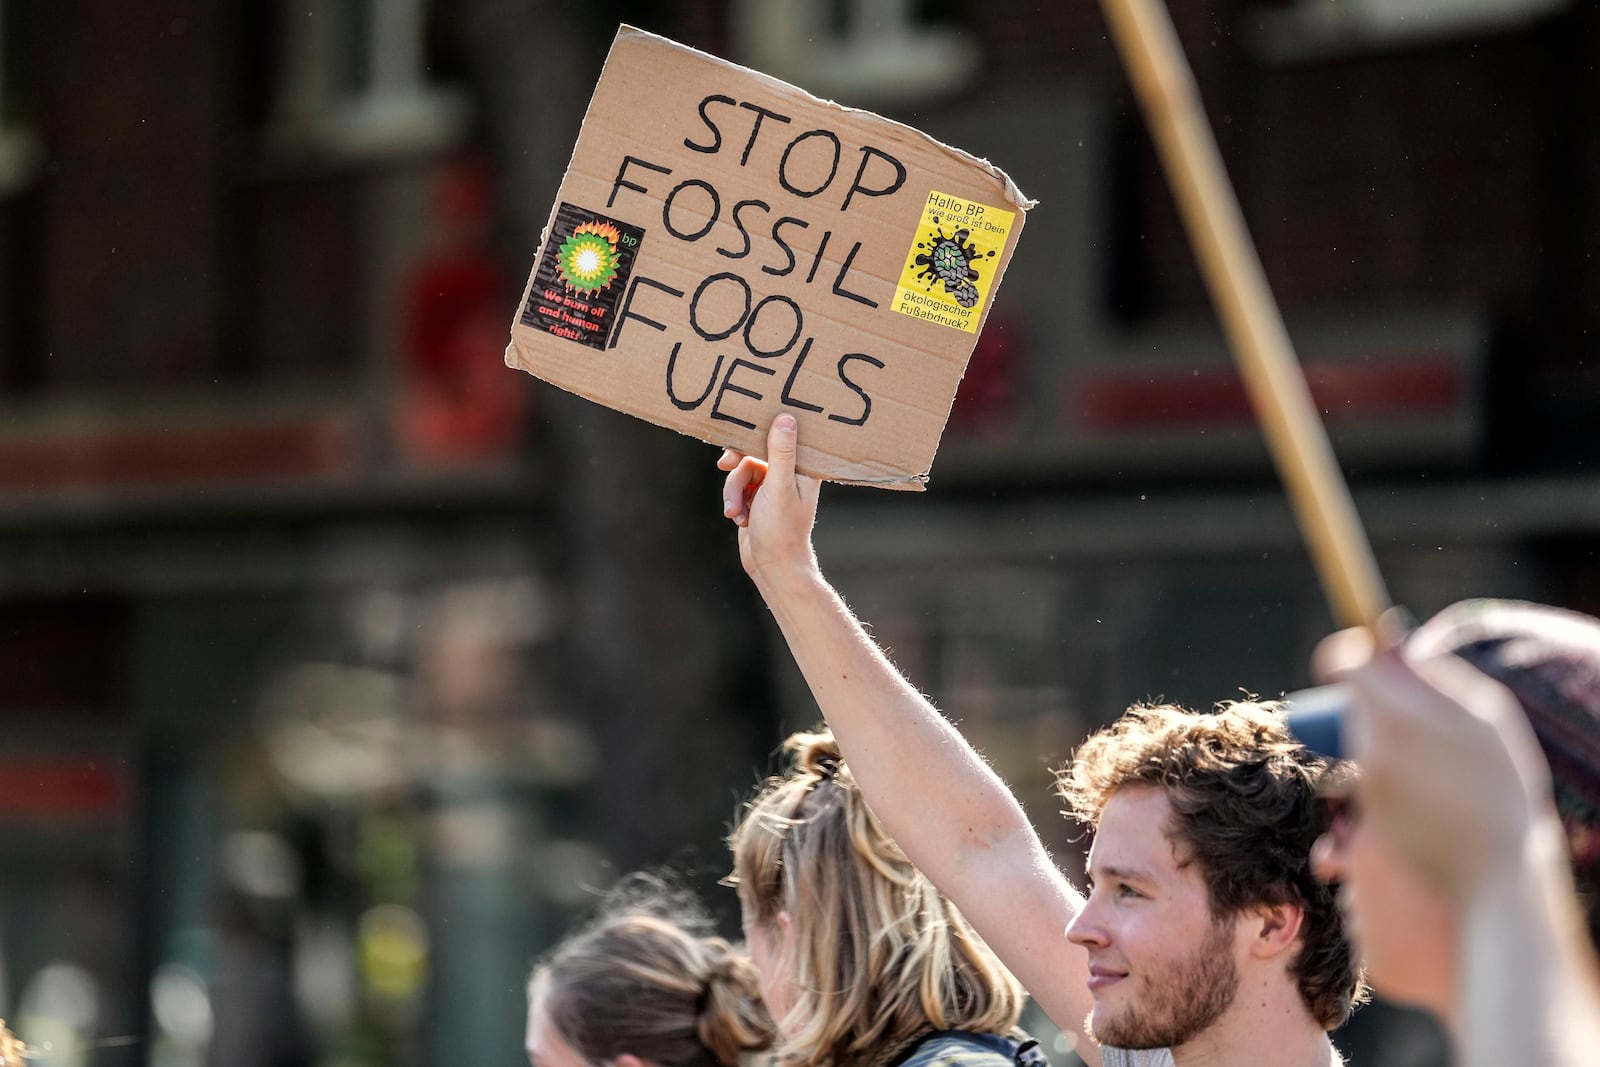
point(1550, 660)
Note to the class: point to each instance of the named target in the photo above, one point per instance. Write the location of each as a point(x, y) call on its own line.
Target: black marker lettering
point(729, 387)
point(820, 249)
point(716, 134)
point(866, 401)
point(750, 324)
point(838, 283)
point(627, 306)
point(739, 224)
point(867, 152)
point(618, 183)
point(672, 394)
point(781, 243)
point(833, 168)
point(794, 372)
point(761, 113)
point(711, 220)
point(694, 306)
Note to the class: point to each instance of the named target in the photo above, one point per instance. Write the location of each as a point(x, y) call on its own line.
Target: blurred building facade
point(339, 663)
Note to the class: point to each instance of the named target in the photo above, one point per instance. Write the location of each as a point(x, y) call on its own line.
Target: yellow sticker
point(951, 266)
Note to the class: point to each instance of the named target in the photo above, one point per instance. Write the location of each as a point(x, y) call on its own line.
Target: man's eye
point(1125, 890)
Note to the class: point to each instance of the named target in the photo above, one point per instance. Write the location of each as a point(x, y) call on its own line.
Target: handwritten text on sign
point(586, 264)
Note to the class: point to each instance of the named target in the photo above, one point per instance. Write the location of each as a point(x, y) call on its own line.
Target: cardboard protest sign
point(725, 246)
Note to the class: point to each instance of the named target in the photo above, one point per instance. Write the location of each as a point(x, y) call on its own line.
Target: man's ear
point(628, 1059)
point(1274, 929)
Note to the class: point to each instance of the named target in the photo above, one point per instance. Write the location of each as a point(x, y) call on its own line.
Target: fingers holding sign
point(745, 475)
point(773, 505)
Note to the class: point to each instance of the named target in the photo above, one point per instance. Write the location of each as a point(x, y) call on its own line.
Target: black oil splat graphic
point(949, 260)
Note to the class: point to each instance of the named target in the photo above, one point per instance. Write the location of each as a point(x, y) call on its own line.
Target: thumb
point(782, 441)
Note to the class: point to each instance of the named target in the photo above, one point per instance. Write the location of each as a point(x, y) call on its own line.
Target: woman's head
point(645, 983)
point(857, 949)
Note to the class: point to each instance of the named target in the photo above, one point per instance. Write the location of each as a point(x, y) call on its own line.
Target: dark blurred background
point(340, 665)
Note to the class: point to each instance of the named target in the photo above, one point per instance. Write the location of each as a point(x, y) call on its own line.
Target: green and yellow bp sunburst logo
point(587, 260)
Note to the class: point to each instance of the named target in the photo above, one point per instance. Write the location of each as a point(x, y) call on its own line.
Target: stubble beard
point(1184, 1003)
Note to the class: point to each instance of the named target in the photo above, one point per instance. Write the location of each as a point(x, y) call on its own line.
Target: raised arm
point(945, 806)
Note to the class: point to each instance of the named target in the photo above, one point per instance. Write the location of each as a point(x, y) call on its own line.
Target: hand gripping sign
point(725, 247)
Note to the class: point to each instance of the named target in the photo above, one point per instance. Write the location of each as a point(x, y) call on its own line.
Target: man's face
point(1160, 970)
point(1402, 928)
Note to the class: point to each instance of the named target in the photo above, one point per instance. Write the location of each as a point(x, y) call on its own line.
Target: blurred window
point(18, 149)
point(353, 103)
point(865, 52)
point(19, 166)
point(1309, 29)
point(352, 78)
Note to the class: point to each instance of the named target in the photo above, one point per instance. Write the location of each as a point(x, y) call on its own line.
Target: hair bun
point(732, 1017)
point(687, 996)
point(816, 753)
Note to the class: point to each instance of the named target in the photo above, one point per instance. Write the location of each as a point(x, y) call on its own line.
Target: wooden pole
point(1162, 80)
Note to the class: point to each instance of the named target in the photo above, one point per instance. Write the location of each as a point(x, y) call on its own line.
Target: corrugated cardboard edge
point(1013, 195)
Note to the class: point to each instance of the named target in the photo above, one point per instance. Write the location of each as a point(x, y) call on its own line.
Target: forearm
point(1528, 988)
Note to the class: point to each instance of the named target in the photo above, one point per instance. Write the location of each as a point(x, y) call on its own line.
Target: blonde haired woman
point(863, 962)
point(646, 984)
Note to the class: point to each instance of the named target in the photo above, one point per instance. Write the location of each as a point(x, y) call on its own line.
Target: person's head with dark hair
point(1549, 661)
point(646, 983)
point(1199, 871)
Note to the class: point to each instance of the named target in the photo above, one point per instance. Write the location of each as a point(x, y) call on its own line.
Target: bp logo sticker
point(581, 275)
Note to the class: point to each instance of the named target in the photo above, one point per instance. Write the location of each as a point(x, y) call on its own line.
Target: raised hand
point(774, 507)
